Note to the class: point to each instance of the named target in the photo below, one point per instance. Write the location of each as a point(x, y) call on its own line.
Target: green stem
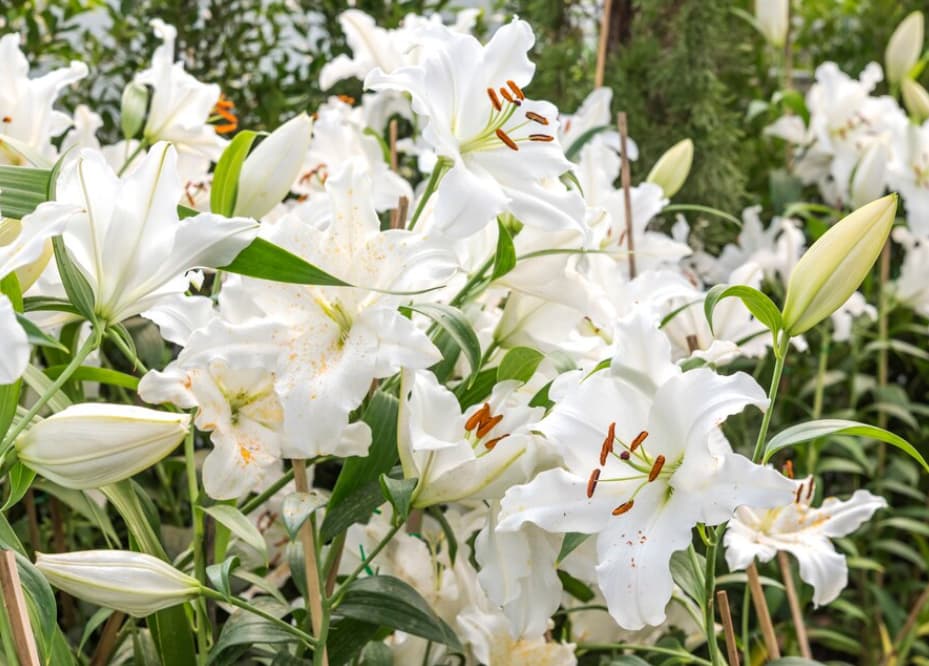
point(473, 281)
point(337, 597)
point(709, 607)
point(91, 343)
point(260, 499)
point(818, 395)
point(644, 648)
point(440, 168)
point(129, 160)
point(780, 355)
point(254, 610)
point(130, 355)
point(196, 516)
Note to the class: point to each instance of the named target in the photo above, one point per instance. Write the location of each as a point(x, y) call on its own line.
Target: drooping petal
point(821, 567)
point(14, 356)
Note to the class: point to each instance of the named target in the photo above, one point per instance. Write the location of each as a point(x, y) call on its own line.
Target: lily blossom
point(804, 532)
point(644, 462)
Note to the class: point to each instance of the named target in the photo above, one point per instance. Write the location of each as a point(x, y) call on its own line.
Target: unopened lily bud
point(270, 170)
point(836, 264)
point(904, 47)
point(10, 230)
point(132, 111)
point(915, 99)
point(95, 444)
point(772, 17)
point(868, 181)
point(134, 583)
point(672, 168)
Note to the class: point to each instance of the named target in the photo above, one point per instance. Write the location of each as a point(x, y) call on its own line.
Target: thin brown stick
point(15, 602)
point(32, 519)
point(761, 610)
point(626, 178)
point(604, 41)
point(313, 586)
point(68, 613)
point(725, 614)
point(794, 602)
point(108, 637)
point(395, 218)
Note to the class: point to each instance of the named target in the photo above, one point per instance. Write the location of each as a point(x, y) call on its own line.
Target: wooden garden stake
point(761, 610)
point(793, 601)
point(626, 179)
point(15, 603)
point(604, 40)
point(725, 614)
point(313, 586)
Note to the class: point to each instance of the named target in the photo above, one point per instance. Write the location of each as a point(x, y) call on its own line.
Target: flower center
point(503, 122)
point(479, 425)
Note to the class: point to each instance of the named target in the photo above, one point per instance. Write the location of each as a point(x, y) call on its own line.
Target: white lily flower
point(804, 532)
point(26, 105)
point(912, 286)
point(644, 462)
point(180, 106)
point(856, 306)
point(105, 443)
point(134, 583)
point(338, 339)
point(475, 454)
point(908, 173)
point(125, 236)
point(228, 373)
point(489, 136)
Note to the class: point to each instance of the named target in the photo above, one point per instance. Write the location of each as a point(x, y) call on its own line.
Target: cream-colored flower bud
point(133, 109)
point(270, 170)
point(95, 444)
point(134, 583)
point(836, 264)
point(672, 168)
point(915, 99)
point(904, 47)
point(869, 178)
point(772, 17)
point(10, 230)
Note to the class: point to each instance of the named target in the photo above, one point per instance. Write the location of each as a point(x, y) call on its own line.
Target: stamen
point(638, 440)
point(809, 492)
point(592, 482)
point(507, 96)
point(541, 137)
point(624, 455)
point(488, 424)
point(477, 418)
point(789, 469)
point(516, 89)
point(656, 468)
point(7, 119)
point(490, 444)
point(607, 447)
point(491, 93)
point(799, 490)
point(347, 99)
point(623, 508)
point(507, 140)
point(537, 117)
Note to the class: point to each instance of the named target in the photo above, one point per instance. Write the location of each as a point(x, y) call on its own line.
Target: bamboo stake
point(793, 601)
point(761, 610)
point(313, 586)
point(604, 41)
point(108, 639)
point(398, 214)
point(15, 603)
point(725, 614)
point(626, 178)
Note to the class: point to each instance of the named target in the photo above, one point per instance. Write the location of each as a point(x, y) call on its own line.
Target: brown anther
point(789, 469)
point(504, 137)
point(537, 117)
point(638, 440)
point(507, 96)
point(623, 508)
point(490, 444)
point(624, 455)
point(809, 492)
point(656, 468)
point(488, 424)
point(516, 89)
point(348, 99)
point(592, 482)
point(477, 418)
point(492, 94)
point(607, 447)
point(7, 119)
point(545, 138)
point(799, 490)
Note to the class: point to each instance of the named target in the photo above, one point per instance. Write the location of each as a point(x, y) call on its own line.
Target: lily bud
point(10, 229)
point(772, 17)
point(672, 168)
point(132, 111)
point(271, 169)
point(134, 583)
point(915, 99)
point(868, 181)
point(836, 264)
point(904, 47)
point(95, 444)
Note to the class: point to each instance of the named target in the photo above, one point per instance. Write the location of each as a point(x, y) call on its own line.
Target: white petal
point(15, 354)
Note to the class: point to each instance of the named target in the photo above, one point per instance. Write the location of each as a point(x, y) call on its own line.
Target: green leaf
point(219, 574)
point(388, 601)
point(452, 321)
point(576, 588)
point(757, 303)
point(37, 336)
point(687, 570)
point(571, 541)
point(22, 189)
point(628, 660)
point(805, 432)
point(19, 479)
point(575, 148)
point(347, 638)
point(519, 363)
point(89, 373)
point(267, 261)
point(225, 188)
point(244, 628)
point(377, 654)
point(75, 283)
point(478, 389)
point(297, 508)
point(239, 525)
point(399, 492)
point(357, 492)
point(505, 257)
